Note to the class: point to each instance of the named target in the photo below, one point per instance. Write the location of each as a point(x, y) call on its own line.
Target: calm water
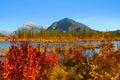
point(6, 44)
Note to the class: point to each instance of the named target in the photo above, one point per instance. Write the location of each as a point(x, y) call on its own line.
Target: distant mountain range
point(65, 24)
point(35, 28)
point(5, 33)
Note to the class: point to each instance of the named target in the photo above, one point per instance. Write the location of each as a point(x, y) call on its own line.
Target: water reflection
point(6, 44)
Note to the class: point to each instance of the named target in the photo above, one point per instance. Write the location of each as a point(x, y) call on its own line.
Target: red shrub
point(25, 62)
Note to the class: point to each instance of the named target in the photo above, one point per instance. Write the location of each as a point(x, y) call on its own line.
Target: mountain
point(115, 31)
point(30, 27)
point(67, 24)
point(5, 33)
point(1, 35)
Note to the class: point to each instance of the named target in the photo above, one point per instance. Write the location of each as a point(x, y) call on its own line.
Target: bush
point(25, 62)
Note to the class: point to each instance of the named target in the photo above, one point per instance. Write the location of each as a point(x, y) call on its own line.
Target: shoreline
point(61, 39)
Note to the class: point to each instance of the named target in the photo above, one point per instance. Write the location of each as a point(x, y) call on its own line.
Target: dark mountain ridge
point(67, 24)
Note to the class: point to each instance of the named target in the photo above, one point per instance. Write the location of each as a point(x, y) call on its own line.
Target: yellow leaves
point(117, 77)
point(80, 76)
point(107, 74)
point(113, 78)
point(53, 50)
point(94, 67)
point(94, 74)
point(4, 51)
point(58, 73)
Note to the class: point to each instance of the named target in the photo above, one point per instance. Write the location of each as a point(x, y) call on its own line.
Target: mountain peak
point(66, 18)
point(67, 24)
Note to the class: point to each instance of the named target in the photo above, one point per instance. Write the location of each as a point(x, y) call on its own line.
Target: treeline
point(42, 33)
point(1, 35)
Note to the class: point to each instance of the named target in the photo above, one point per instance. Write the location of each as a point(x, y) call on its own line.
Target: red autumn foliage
point(25, 62)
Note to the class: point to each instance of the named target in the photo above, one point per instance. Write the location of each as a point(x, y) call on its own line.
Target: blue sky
point(98, 14)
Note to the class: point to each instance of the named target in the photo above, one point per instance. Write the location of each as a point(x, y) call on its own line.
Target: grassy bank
point(57, 39)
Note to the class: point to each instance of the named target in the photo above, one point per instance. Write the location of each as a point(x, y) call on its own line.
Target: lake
point(6, 44)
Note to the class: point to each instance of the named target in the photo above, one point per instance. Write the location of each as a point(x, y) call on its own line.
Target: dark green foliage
point(1, 35)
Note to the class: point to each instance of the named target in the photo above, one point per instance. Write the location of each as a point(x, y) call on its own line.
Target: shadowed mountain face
point(68, 25)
